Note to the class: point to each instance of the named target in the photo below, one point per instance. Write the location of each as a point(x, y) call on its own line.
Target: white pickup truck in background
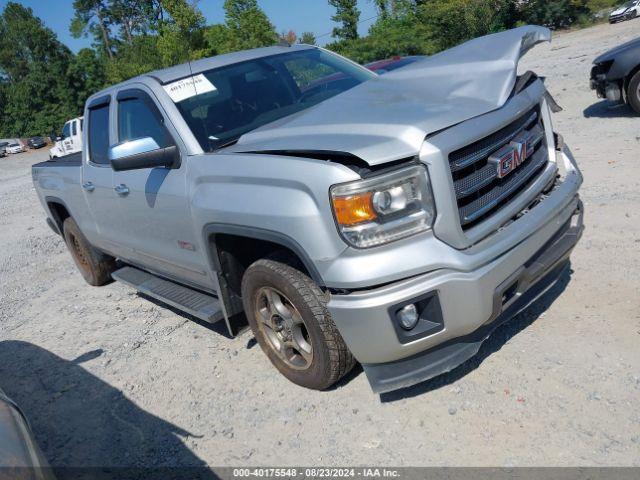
point(70, 141)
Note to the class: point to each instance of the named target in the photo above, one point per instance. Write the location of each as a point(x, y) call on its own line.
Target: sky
point(297, 15)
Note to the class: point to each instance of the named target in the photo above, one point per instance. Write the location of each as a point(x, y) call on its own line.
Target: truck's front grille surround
point(479, 192)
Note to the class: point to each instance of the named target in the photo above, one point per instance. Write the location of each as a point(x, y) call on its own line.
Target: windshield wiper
point(228, 143)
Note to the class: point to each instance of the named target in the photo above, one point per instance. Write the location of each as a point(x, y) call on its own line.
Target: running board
point(200, 305)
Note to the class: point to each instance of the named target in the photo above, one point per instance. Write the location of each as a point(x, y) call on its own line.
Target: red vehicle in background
point(383, 66)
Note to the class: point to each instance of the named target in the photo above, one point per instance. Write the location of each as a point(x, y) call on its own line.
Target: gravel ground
point(109, 378)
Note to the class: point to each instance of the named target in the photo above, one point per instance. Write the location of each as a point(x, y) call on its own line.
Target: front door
point(155, 213)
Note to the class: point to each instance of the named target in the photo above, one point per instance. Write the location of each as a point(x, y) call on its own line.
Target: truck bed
point(71, 160)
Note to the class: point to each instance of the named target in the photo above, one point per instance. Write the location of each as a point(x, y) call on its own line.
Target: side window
point(74, 128)
point(138, 117)
point(66, 130)
point(99, 134)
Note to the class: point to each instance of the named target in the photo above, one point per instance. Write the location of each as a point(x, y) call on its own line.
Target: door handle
point(89, 186)
point(121, 189)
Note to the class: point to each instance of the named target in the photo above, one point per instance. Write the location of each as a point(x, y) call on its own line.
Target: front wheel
point(633, 92)
point(288, 315)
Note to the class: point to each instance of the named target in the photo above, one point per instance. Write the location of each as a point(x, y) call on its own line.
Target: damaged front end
point(388, 118)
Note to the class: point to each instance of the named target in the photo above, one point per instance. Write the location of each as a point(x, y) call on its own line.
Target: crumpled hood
point(614, 52)
point(388, 117)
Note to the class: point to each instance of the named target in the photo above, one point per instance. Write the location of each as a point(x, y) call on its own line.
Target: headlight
point(384, 208)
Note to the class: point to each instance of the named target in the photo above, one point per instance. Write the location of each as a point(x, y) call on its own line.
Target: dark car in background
point(616, 75)
point(36, 142)
point(383, 66)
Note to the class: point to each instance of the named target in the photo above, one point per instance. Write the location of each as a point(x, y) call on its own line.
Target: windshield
point(629, 4)
point(244, 96)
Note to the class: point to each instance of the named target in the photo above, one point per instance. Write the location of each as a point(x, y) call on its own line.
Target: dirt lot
point(109, 378)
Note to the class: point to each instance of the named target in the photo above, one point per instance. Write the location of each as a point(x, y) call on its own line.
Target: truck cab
point(70, 140)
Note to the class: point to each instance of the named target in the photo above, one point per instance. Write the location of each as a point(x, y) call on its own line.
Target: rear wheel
point(633, 92)
point(289, 318)
point(96, 267)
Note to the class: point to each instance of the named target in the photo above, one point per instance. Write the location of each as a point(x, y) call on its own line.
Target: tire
point(95, 266)
point(286, 308)
point(633, 92)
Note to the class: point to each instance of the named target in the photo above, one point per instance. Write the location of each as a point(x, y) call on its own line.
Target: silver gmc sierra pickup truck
point(391, 220)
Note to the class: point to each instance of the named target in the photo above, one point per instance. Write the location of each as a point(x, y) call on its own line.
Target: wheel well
point(60, 214)
point(235, 253)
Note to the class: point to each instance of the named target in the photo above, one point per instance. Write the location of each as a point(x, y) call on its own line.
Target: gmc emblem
point(510, 157)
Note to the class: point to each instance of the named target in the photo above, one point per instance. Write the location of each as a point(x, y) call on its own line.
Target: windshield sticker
point(189, 87)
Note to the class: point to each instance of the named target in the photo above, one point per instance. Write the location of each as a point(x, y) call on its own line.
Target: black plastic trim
point(99, 102)
point(48, 200)
point(261, 234)
point(430, 320)
point(53, 226)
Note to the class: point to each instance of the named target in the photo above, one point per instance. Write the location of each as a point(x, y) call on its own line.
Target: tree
point(454, 21)
point(558, 14)
point(35, 75)
point(92, 17)
point(87, 75)
point(132, 17)
point(290, 37)
point(307, 38)
point(181, 35)
point(399, 32)
point(249, 26)
point(347, 15)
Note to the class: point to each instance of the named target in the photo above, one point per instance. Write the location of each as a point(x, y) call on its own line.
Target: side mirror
point(143, 153)
point(58, 139)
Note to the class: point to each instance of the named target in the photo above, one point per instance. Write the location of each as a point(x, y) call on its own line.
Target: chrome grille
point(479, 190)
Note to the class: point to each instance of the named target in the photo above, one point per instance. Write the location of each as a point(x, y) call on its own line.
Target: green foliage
point(454, 21)
point(180, 37)
point(92, 19)
point(399, 34)
point(307, 38)
point(556, 14)
point(36, 72)
point(87, 75)
point(347, 15)
point(248, 26)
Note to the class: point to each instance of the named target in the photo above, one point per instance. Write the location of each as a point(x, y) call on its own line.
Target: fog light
point(408, 317)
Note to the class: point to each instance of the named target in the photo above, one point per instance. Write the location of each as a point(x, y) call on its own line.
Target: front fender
point(270, 197)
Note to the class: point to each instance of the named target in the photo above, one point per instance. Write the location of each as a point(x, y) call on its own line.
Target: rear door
point(155, 212)
point(97, 180)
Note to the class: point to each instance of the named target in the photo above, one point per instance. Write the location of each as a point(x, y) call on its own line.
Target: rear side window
point(74, 128)
point(99, 135)
point(139, 118)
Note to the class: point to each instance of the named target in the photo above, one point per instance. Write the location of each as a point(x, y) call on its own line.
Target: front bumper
point(531, 281)
point(472, 302)
point(618, 17)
